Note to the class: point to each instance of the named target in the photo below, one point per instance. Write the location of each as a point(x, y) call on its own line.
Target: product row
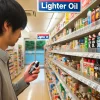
point(69, 16)
point(90, 43)
point(82, 91)
point(52, 87)
point(87, 67)
point(92, 19)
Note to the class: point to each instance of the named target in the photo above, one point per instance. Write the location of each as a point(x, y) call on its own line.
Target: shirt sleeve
point(20, 86)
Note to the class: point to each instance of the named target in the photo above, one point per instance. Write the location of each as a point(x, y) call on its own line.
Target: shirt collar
point(4, 56)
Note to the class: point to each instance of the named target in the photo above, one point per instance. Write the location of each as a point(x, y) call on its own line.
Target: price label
point(94, 86)
point(93, 28)
point(89, 83)
point(98, 27)
point(90, 55)
point(98, 89)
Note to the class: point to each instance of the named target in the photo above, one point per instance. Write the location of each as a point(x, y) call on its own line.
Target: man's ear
point(5, 27)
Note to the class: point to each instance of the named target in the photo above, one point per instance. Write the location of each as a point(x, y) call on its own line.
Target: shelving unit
point(59, 92)
point(85, 79)
point(48, 86)
point(20, 57)
point(79, 33)
point(68, 91)
point(92, 4)
point(60, 47)
point(79, 54)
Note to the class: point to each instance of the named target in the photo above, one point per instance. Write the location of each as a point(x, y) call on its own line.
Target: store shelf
point(79, 33)
point(68, 91)
point(79, 76)
point(59, 92)
point(48, 87)
point(78, 15)
point(79, 54)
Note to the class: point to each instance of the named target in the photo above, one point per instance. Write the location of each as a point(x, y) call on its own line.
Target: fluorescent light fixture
point(52, 21)
point(27, 29)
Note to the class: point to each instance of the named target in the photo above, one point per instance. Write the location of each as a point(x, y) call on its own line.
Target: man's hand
point(27, 77)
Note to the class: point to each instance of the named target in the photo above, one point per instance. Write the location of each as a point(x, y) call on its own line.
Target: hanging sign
point(42, 36)
point(59, 5)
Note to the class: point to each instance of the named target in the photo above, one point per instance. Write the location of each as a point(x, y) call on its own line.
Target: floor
point(37, 89)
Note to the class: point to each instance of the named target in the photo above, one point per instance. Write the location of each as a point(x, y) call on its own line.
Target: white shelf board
point(79, 54)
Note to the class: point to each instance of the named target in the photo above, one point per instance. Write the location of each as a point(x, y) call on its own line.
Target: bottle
point(93, 15)
point(85, 67)
point(98, 12)
point(96, 68)
point(89, 94)
point(98, 96)
point(93, 94)
point(81, 65)
point(88, 67)
point(86, 44)
point(94, 43)
point(92, 69)
point(98, 42)
point(89, 15)
point(90, 43)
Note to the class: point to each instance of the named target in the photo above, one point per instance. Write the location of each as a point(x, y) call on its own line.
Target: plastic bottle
point(88, 67)
point(98, 13)
point(93, 15)
point(81, 65)
point(92, 69)
point(98, 42)
point(89, 16)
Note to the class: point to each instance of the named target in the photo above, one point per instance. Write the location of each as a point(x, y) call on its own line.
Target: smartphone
point(36, 64)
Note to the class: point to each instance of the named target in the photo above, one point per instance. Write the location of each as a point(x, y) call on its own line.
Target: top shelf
point(92, 5)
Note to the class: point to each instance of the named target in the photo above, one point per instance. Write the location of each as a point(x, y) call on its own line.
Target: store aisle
point(37, 89)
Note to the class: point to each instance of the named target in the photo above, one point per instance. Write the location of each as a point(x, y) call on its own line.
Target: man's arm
point(20, 86)
point(24, 82)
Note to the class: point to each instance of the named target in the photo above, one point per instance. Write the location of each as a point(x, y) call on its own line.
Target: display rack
point(68, 91)
point(12, 67)
point(59, 40)
point(59, 92)
point(20, 57)
point(48, 86)
point(79, 33)
point(93, 3)
point(85, 79)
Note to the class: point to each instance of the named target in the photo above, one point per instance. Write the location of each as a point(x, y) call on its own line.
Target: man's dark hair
point(12, 12)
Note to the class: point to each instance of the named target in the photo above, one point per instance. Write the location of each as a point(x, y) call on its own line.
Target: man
point(12, 20)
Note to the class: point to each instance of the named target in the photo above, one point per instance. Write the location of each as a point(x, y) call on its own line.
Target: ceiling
point(41, 22)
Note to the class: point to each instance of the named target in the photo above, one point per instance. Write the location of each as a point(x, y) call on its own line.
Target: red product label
point(85, 3)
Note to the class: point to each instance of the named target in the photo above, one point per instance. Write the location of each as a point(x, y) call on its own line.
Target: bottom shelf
point(48, 87)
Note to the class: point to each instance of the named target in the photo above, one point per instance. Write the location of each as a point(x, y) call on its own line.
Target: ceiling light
point(27, 29)
point(52, 21)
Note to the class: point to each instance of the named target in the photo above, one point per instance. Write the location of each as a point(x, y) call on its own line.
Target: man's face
point(11, 37)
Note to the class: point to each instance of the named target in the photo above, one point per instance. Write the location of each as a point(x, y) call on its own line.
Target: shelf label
point(98, 89)
point(59, 5)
